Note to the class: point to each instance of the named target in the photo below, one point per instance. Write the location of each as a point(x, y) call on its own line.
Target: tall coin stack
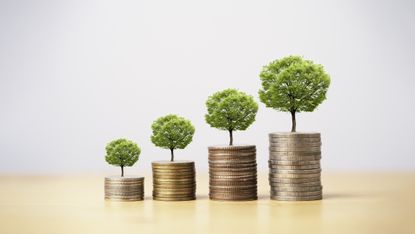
point(174, 181)
point(232, 173)
point(126, 188)
point(294, 164)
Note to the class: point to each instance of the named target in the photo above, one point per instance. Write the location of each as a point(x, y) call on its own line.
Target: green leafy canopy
point(122, 152)
point(293, 84)
point(172, 132)
point(231, 109)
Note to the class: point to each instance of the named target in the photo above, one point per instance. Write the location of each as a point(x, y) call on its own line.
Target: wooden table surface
point(353, 203)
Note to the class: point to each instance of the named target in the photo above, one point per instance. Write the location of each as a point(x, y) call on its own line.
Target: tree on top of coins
point(293, 84)
point(122, 153)
point(230, 110)
point(172, 132)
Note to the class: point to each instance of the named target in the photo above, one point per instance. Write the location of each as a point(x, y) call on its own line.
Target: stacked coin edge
point(174, 181)
point(232, 173)
point(128, 188)
point(294, 166)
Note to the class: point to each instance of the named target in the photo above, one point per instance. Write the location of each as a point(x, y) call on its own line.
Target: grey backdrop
point(76, 74)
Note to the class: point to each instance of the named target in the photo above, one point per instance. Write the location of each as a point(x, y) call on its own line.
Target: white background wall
point(76, 74)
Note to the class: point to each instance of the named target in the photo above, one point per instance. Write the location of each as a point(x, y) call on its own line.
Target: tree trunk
point(294, 123)
point(230, 137)
point(122, 171)
point(172, 155)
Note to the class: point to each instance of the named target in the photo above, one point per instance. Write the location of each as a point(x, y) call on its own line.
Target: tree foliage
point(230, 110)
point(293, 84)
point(172, 132)
point(123, 153)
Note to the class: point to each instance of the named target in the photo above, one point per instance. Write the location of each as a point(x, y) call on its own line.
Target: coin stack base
point(174, 181)
point(232, 173)
point(128, 188)
point(294, 164)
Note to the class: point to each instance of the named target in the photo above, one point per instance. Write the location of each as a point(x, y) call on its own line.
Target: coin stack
point(294, 164)
point(126, 188)
point(232, 173)
point(174, 181)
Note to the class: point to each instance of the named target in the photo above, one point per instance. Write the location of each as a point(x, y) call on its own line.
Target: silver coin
point(296, 188)
point(272, 140)
point(294, 153)
point(294, 144)
point(296, 185)
point(294, 158)
point(308, 198)
point(299, 176)
point(282, 150)
point(115, 196)
point(293, 163)
point(294, 180)
point(123, 191)
point(295, 167)
point(295, 194)
point(281, 171)
point(294, 134)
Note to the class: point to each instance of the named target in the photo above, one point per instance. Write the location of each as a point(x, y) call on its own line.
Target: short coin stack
point(232, 173)
point(294, 164)
point(126, 188)
point(174, 181)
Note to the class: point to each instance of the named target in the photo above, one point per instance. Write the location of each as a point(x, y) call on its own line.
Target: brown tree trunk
point(230, 137)
point(122, 171)
point(172, 155)
point(294, 123)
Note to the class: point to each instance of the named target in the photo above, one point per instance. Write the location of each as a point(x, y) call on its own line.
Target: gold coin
point(174, 198)
point(174, 195)
point(231, 147)
point(242, 169)
point(222, 161)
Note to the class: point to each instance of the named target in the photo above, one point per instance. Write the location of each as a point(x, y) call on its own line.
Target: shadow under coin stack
point(124, 188)
point(174, 181)
point(232, 173)
point(294, 164)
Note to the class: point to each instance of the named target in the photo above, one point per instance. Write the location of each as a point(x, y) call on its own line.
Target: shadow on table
point(202, 197)
point(330, 195)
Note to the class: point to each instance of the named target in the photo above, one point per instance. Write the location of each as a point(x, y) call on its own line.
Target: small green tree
point(122, 153)
point(230, 110)
point(292, 84)
point(172, 132)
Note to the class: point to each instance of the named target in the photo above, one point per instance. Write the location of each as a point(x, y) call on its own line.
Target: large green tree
point(172, 132)
point(122, 153)
point(230, 110)
point(293, 84)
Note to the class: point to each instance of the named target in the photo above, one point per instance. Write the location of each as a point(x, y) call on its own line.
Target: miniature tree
point(231, 110)
point(292, 84)
point(172, 132)
point(122, 153)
